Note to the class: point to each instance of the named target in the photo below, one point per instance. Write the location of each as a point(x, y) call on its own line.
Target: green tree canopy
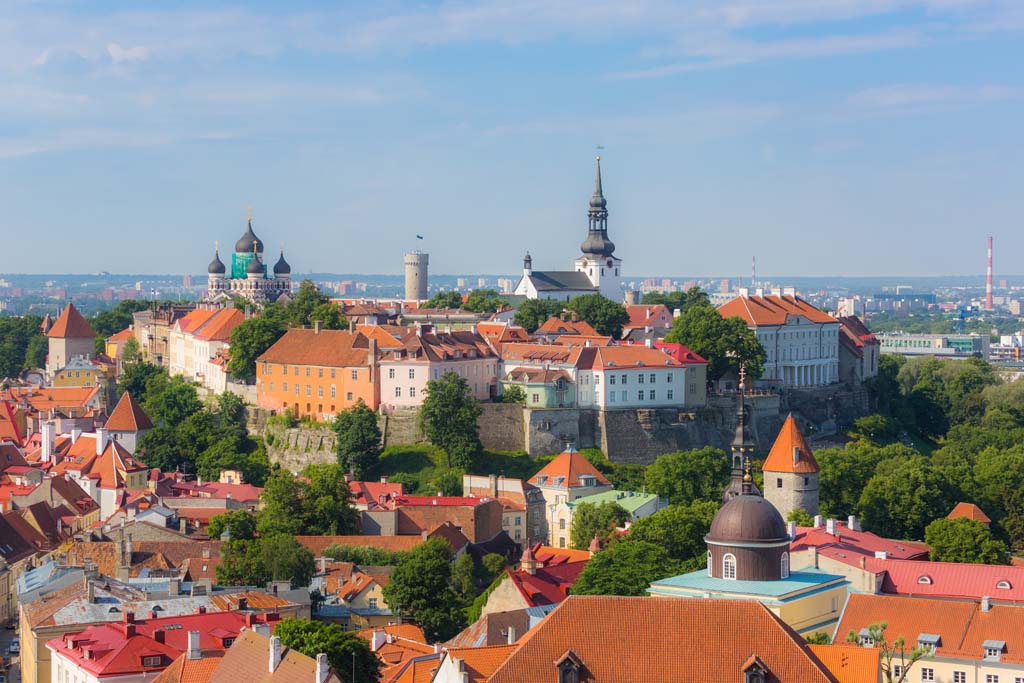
point(533, 313)
point(286, 559)
point(903, 496)
point(22, 344)
point(343, 648)
point(606, 316)
point(421, 589)
point(681, 301)
point(484, 301)
point(625, 568)
point(513, 393)
point(449, 418)
point(135, 377)
point(963, 540)
point(241, 524)
point(685, 476)
point(591, 521)
point(680, 530)
point(444, 300)
point(358, 442)
point(171, 400)
point(844, 472)
point(801, 517)
point(299, 310)
point(249, 340)
point(726, 343)
point(318, 503)
point(130, 352)
point(329, 316)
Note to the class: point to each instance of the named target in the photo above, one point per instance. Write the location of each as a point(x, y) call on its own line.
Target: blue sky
point(855, 137)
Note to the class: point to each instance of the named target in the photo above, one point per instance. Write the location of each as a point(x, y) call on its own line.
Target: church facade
point(596, 271)
point(248, 278)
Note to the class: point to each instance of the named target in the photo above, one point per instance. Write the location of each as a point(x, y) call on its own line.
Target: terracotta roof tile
point(128, 416)
point(907, 618)
point(970, 511)
point(790, 452)
point(326, 348)
point(71, 325)
point(850, 663)
point(246, 660)
point(547, 585)
point(219, 326)
point(773, 310)
point(124, 335)
point(480, 662)
point(557, 326)
point(568, 466)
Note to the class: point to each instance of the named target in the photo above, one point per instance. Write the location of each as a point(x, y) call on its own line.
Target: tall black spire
point(740, 482)
point(597, 242)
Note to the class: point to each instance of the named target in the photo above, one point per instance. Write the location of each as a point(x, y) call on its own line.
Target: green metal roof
point(630, 500)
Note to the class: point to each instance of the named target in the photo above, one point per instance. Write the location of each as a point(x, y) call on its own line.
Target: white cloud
point(132, 54)
point(918, 96)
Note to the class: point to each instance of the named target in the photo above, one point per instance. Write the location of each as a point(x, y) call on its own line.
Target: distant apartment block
point(938, 345)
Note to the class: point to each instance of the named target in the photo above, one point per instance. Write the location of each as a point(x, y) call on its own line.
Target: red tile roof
point(326, 348)
point(219, 326)
point(773, 310)
point(850, 663)
point(568, 465)
point(970, 511)
point(951, 579)
point(71, 325)
point(195, 319)
point(548, 585)
point(648, 315)
point(124, 335)
point(850, 546)
point(556, 326)
point(369, 492)
point(790, 452)
point(479, 663)
point(908, 618)
point(642, 640)
point(128, 416)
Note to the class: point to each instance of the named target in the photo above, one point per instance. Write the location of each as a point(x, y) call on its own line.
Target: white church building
point(597, 270)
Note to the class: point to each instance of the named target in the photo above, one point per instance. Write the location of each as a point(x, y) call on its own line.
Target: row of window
point(309, 390)
point(729, 566)
point(641, 378)
point(652, 395)
point(295, 371)
point(411, 392)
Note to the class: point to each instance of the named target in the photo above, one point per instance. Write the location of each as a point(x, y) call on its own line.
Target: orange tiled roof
point(326, 348)
point(246, 660)
point(908, 618)
point(648, 315)
point(419, 669)
point(385, 335)
point(773, 310)
point(185, 670)
point(569, 465)
point(555, 325)
point(219, 326)
point(790, 452)
point(633, 640)
point(194, 319)
point(480, 662)
point(47, 398)
point(407, 631)
point(71, 325)
point(128, 416)
point(630, 357)
point(850, 663)
point(970, 511)
point(124, 335)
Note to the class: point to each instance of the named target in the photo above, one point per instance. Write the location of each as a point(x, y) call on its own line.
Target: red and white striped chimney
point(988, 277)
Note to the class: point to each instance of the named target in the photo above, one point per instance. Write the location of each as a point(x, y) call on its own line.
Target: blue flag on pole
point(419, 237)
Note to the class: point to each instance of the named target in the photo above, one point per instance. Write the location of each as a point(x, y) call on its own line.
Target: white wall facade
point(618, 388)
point(403, 383)
point(800, 353)
point(605, 273)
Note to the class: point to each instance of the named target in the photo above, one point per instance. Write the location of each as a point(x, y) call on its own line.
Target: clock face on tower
point(610, 263)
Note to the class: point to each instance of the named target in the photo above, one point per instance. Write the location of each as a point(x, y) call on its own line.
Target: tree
point(135, 376)
point(625, 568)
point(159, 448)
point(606, 316)
point(364, 555)
point(513, 393)
point(241, 524)
point(171, 401)
point(533, 313)
point(347, 653)
point(684, 476)
point(801, 517)
point(318, 503)
point(890, 654)
point(130, 352)
point(904, 496)
point(726, 343)
point(448, 482)
point(444, 300)
point(241, 564)
point(463, 577)
point(818, 638)
point(963, 540)
point(680, 530)
point(421, 589)
point(681, 301)
point(286, 559)
point(358, 442)
point(591, 521)
point(234, 452)
point(35, 351)
point(484, 301)
point(449, 418)
point(249, 340)
point(22, 344)
point(329, 316)
point(299, 310)
point(844, 472)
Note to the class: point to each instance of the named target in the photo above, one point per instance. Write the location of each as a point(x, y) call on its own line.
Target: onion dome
point(597, 244)
point(217, 266)
point(748, 519)
point(282, 267)
point(255, 266)
point(249, 242)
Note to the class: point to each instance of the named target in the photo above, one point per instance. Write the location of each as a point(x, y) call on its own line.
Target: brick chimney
point(275, 654)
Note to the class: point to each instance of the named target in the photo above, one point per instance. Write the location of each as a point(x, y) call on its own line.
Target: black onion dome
point(217, 266)
point(255, 266)
point(282, 267)
point(246, 242)
point(597, 244)
point(748, 519)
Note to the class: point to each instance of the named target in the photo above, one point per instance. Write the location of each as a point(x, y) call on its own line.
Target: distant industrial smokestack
point(753, 272)
point(988, 278)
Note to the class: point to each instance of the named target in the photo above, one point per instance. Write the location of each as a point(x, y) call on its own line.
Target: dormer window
point(155, 660)
point(993, 649)
point(864, 638)
point(928, 642)
point(569, 666)
point(1004, 585)
point(924, 579)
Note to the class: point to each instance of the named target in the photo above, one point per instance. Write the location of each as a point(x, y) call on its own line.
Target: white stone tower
point(416, 275)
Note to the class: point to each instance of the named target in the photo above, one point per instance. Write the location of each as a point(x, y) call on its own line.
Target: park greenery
point(448, 417)
point(358, 442)
point(348, 654)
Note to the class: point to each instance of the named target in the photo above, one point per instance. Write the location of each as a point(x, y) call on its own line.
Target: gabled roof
point(631, 357)
point(773, 310)
point(850, 546)
point(568, 466)
point(492, 629)
point(246, 660)
point(71, 325)
point(194, 319)
point(552, 280)
point(326, 348)
point(951, 579)
point(548, 585)
point(648, 315)
point(219, 326)
point(790, 452)
point(124, 335)
point(970, 511)
point(128, 416)
point(908, 618)
point(479, 663)
point(557, 326)
point(630, 640)
point(14, 547)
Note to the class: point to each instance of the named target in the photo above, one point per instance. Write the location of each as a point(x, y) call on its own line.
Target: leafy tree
point(492, 564)
point(449, 418)
point(995, 472)
point(249, 340)
point(286, 559)
point(513, 393)
point(113, 320)
point(241, 524)
point(171, 400)
point(444, 300)
point(421, 589)
point(364, 555)
point(329, 316)
point(484, 301)
point(135, 377)
point(590, 521)
point(22, 344)
point(448, 482)
point(684, 476)
point(681, 301)
point(463, 575)
point(680, 530)
point(625, 568)
point(36, 350)
point(241, 564)
point(533, 313)
point(818, 638)
point(891, 653)
point(606, 316)
point(963, 540)
point(904, 496)
point(726, 343)
point(878, 429)
point(844, 472)
point(358, 441)
point(232, 452)
point(801, 517)
point(130, 352)
point(299, 310)
point(159, 448)
point(347, 653)
point(230, 411)
point(318, 503)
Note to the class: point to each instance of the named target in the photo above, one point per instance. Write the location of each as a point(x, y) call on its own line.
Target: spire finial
point(216, 247)
point(748, 479)
point(598, 191)
point(250, 215)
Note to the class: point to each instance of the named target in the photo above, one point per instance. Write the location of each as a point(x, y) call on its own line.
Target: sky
point(826, 137)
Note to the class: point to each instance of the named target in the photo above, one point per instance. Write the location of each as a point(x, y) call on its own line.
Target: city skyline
point(862, 139)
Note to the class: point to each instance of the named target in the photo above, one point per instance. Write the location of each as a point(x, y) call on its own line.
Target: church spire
point(740, 482)
point(597, 242)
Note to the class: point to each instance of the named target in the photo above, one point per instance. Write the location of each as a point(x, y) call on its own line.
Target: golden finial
point(599, 157)
point(746, 470)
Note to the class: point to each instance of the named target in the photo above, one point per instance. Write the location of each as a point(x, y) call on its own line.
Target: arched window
point(729, 567)
point(1004, 584)
point(785, 565)
point(709, 563)
point(924, 579)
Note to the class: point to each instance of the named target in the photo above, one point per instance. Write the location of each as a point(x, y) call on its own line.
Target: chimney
point(492, 482)
point(101, 440)
point(206, 553)
point(791, 530)
point(986, 603)
point(262, 629)
point(75, 433)
point(129, 630)
point(183, 526)
point(817, 521)
point(129, 617)
point(648, 313)
point(649, 343)
point(174, 587)
point(378, 639)
point(814, 555)
point(383, 478)
point(243, 604)
point(372, 359)
point(349, 477)
point(49, 437)
point(323, 565)
point(881, 555)
point(852, 523)
point(322, 669)
point(316, 327)
point(863, 562)
point(830, 527)
point(275, 653)
point(153, 614)
point(511, 635)
point(193, 646)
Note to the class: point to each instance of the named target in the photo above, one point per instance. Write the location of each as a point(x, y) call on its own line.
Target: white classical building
point(801, 342)
point(597, 270)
